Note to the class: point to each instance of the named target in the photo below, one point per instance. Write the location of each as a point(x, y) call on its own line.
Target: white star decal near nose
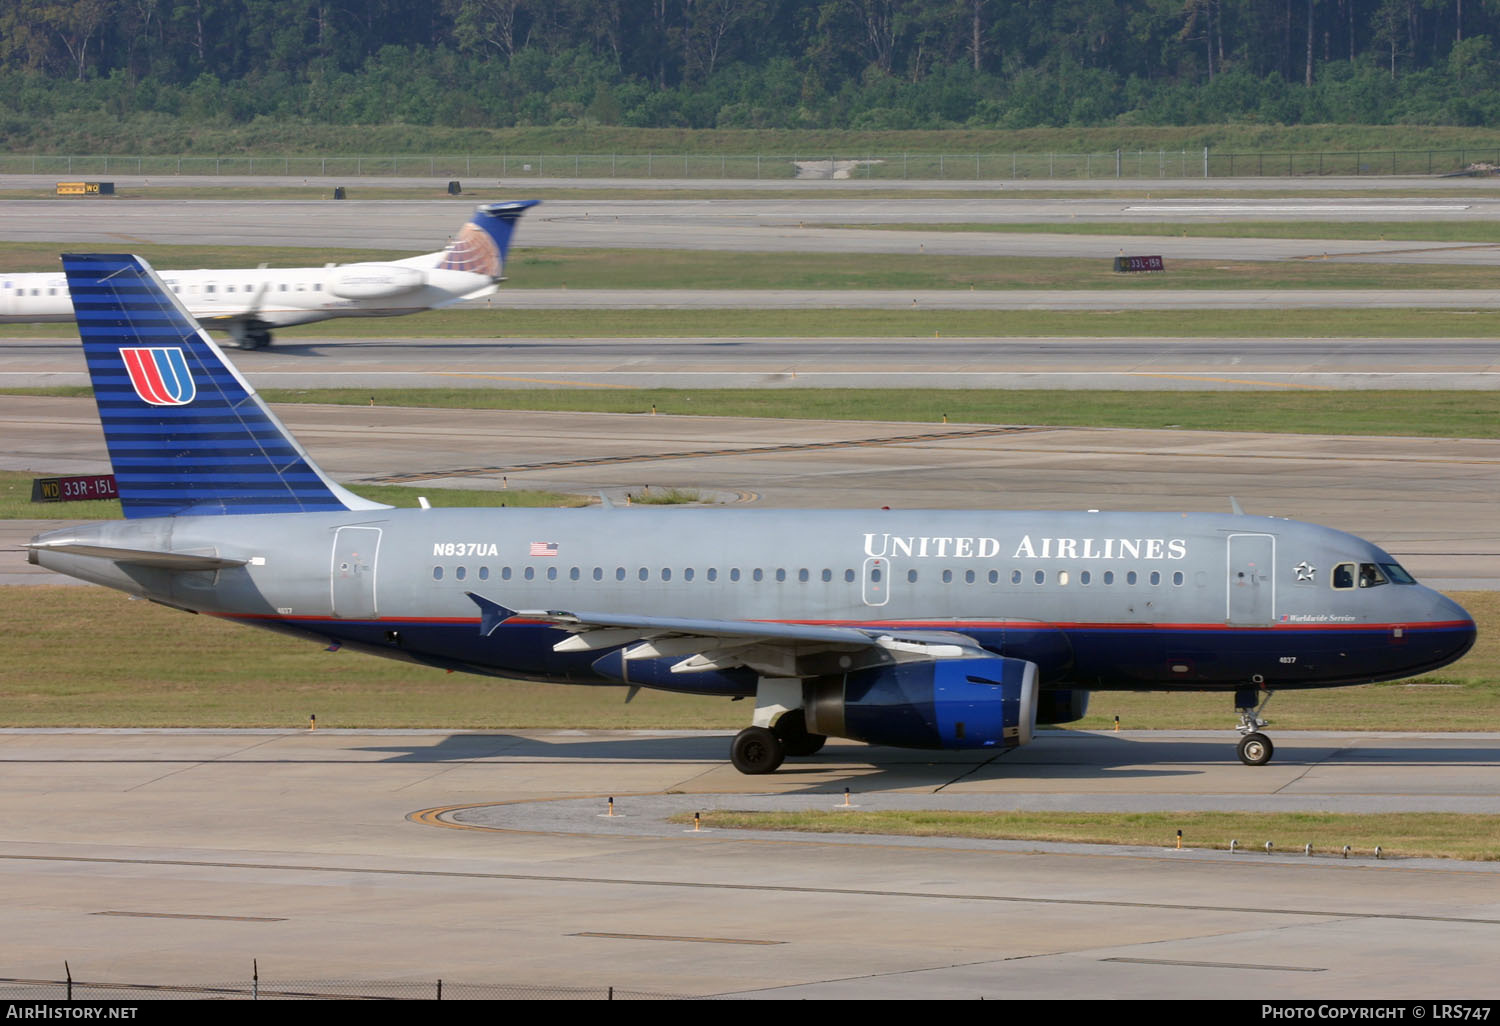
point(1305, 571)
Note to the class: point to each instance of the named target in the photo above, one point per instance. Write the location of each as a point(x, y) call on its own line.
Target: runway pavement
point(178, 857)
point(739, 225)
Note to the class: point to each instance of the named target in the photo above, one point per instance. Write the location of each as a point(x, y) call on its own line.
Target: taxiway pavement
point(178, 857)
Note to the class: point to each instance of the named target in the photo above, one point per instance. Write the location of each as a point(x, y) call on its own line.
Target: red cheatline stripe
point(519, 621)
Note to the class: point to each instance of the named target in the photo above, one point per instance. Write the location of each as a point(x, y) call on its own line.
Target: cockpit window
point(1369, 575)
point(1397, 573)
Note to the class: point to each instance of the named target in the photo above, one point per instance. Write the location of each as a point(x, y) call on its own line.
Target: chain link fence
point(1134, 164)
point(268, 989)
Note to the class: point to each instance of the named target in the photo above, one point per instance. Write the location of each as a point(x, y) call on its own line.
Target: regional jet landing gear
point(1255, 748)
point(250, 335)
point(780, 729)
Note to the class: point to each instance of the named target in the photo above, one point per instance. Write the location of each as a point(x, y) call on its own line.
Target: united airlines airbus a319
point(922, 628)
point(248, 303)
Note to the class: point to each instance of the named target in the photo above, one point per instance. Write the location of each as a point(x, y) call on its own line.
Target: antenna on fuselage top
point(1235, 507)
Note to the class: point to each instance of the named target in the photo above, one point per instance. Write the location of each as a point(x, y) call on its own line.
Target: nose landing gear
point(1255, 749)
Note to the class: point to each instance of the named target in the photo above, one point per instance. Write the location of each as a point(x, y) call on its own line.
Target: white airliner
point(249, 302)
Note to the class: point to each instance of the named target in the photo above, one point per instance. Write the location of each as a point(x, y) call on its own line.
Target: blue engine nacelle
point(950, 703)
point(1061, 706)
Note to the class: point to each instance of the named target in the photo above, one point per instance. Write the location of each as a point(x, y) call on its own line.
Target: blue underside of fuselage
point(1094, 658)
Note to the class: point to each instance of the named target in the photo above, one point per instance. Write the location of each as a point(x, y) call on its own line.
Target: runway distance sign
point(74, 489)
point(1140, 263)
point(85, 188)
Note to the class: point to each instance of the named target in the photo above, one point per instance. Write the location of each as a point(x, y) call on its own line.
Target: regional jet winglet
point(924, 628)
point(249, 303)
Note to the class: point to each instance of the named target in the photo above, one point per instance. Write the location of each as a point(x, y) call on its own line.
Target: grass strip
point(1429, 414)
point(90, 657)
point(1465, 414)
point(1464, 836)
point(916, 323)
point(1486, 232)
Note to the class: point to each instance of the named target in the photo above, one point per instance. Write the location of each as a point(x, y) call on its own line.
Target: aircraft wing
point(767, 647)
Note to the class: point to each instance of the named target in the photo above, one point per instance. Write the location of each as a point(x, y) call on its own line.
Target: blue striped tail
point(186, 434)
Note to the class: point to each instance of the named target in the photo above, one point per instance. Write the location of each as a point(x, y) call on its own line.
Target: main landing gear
point(757, 750)
point(1255, 749)
point(250, 336)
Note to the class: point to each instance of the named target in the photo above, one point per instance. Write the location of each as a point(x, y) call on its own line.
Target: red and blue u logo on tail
point(160, 375)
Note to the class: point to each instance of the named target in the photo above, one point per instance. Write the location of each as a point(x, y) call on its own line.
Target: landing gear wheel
point(257, 340)
point(792, 730)
point(1256, 749)
point(756, 750)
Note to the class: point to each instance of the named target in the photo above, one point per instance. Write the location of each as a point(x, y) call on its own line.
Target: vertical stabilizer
point(483, 243)
point(186, 434)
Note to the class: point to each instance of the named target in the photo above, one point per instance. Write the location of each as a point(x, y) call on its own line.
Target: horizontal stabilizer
point(141, 557)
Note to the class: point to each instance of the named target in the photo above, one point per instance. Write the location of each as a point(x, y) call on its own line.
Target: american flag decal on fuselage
point(160, 376)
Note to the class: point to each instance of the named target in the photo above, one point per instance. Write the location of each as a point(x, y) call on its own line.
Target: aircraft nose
point(1462, 631)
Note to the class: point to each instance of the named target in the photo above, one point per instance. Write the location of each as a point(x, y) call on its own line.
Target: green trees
point(756, 63)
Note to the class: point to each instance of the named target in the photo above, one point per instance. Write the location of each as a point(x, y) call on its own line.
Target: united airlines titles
point(956, 547)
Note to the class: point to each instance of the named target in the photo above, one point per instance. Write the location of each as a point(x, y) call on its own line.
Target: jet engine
point(946, 703)
point(375, 281)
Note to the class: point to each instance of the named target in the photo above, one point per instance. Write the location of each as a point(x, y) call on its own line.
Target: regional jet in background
point(249, 303)
point(921, 628)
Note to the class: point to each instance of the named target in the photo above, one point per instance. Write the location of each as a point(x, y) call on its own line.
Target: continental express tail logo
point(474, 251)
point(160, 376)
